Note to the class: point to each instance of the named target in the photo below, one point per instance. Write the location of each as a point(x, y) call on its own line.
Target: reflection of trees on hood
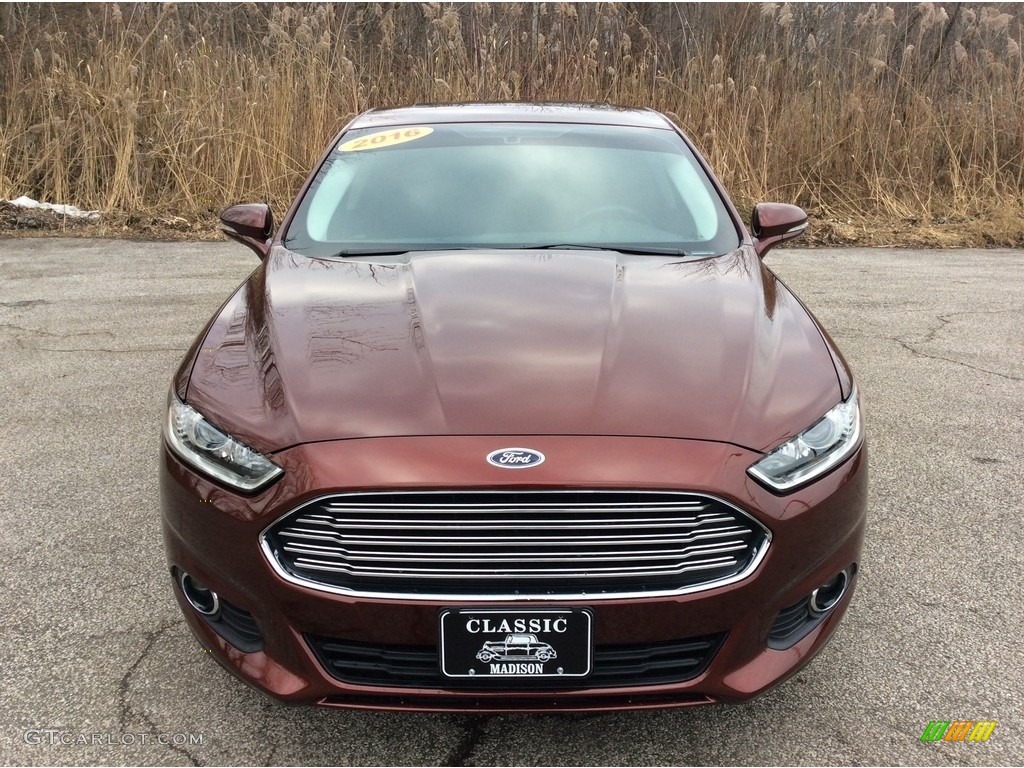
point(739, 262)
point(258, 339)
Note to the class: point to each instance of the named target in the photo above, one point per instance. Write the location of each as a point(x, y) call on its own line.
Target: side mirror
point(774, 223)
point(251, 224)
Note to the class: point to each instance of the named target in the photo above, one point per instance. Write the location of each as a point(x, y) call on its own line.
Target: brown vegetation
point(903, 121)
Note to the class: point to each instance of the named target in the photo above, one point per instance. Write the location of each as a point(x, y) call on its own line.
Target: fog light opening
point(825, 597)
point(203, 599)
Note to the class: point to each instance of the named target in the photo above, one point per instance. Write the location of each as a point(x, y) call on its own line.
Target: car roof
point(518, 112)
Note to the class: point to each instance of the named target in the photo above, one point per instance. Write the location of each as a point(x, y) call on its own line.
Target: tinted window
point(510, 185)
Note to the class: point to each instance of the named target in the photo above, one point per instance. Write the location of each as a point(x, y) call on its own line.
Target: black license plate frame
point(515, 644)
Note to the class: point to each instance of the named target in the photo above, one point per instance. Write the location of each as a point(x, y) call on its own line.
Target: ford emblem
point(515, 458)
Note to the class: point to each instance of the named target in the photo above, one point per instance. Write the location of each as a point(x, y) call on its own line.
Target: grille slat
point(455, 537)
point(404, 524)
point(545, 555)
point(502, 574)
point(492, 542)
point(504, 508)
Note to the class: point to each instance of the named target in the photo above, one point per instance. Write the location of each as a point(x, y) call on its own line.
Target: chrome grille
point(515, 543)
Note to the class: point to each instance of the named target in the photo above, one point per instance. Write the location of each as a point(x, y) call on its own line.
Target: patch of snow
point(65, 210)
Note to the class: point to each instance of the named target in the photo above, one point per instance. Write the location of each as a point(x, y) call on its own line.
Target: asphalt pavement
point(98, 667)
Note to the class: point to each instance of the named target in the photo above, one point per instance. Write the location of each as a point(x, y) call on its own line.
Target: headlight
point(814, 451)
point(199, 443)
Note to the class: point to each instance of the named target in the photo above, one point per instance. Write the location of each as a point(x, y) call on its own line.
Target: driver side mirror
point(251, 224)
point(774, 223)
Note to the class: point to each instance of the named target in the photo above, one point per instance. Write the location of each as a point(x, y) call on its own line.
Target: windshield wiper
point(651, 250)
point(398, 251)
point(366, 252)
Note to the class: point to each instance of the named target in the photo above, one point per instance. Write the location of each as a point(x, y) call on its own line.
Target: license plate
point(516, 643)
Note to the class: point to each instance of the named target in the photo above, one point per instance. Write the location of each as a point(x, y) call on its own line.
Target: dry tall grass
point(907, 112)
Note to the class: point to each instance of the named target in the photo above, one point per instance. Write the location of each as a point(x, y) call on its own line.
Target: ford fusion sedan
point(512, 416)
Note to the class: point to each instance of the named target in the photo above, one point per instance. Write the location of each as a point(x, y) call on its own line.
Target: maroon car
point(513, 371)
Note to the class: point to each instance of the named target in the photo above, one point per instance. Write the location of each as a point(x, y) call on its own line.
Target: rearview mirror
point(774, 223)
point(251, 224)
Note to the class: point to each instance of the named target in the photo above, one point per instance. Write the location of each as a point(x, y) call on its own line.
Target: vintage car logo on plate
point(518, 647)
point(515, 458)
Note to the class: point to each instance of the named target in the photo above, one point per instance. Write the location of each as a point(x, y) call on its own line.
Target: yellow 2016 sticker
point(385, 139)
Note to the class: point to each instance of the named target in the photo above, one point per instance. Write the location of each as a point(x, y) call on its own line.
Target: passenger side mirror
point(774, 223)
point(251, 224)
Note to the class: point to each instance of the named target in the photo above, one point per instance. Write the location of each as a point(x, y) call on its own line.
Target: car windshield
point(511, 185)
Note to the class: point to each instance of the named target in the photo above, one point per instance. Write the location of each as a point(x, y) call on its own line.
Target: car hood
point(512, 343)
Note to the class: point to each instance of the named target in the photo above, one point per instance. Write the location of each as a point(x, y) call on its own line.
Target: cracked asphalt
point(92, 646)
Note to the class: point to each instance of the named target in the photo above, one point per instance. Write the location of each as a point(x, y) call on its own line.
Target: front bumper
point(213, 534)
